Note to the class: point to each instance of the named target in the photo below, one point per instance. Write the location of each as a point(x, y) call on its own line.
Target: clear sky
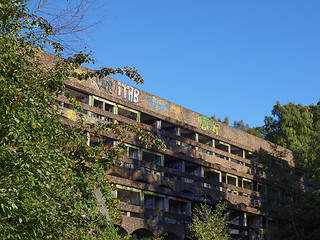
point(231, 58)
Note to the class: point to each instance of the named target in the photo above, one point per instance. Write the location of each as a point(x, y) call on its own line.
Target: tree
point(48, 173)
point(208, 223)
point(292, 197)
point(71, 20)
point(292, 208)
point(256, 131)
point(284, 199)
point(292, 126)
point(225, 120)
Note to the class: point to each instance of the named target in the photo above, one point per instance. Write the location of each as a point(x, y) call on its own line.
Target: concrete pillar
point(213, 145)
point(166, 204)
point(177, 132)
point(202, 172)
point(196, 139)
point(189, 208)
point(158, 124)
point(142, 198)
point(243, 222)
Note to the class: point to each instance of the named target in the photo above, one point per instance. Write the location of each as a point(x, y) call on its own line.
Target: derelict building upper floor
point(205, 159)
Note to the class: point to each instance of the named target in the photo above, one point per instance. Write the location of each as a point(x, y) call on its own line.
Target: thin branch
point(39, 7)
point(76, 13)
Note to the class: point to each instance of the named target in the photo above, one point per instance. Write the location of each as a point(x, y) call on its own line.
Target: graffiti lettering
point(90, 119)
point(127, 92)
point(105, 84)
point(122, 90)
point(209, 124)
point(177, 112)
point(157, 103)
point(72, 115)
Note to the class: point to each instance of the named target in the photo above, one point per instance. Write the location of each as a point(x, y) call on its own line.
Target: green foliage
point(225, 120)
point(292, 126)
point(293, 209)
point(283, 196)
point(292, 200)
point(48, 173)
point(256, 131)
point(210, 224)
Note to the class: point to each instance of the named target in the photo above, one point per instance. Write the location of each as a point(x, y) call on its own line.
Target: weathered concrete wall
point(138, 99)
point(132, 96)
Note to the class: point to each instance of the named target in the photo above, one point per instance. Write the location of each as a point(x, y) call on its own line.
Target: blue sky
point(231, 58)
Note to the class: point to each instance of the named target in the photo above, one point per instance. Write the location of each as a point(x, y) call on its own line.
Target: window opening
point(192, 168)
point(257, 186)
point(234, 218)
point(212, 174)
point(149, 120)
point(173, 162)
point(237, 151)
point(105, 106)
point(128, 113)
point(224, 147)
point(149, 201)
point(107, 142)
point(178, 207)
point(98, 104)
point(154, 201)
point(168, 127)
point(251, 156)
point(129, 196)
point(233, 180)
point(187, 134)
point(174, 177)
point(153, 157)
point(132, 152)
point(205, 140)
point(159, 203)
point(246, 183)
point(80, 96)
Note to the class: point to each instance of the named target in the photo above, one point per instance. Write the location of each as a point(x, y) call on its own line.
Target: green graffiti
point(209, 124)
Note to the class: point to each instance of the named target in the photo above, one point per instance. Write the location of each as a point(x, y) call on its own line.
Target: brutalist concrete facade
point(206, 159)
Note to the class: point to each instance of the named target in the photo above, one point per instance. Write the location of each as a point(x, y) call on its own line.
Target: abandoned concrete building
point(205, 159)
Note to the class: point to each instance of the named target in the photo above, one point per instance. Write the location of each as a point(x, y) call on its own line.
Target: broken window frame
point(208, 185)
point(119, 107)
point(237, 183)
point(158, 195)
point(128, 146)
point(126, 188)
point(227, 145)
point(187, 202)
point(248, 181)
point(188, 165)
point(103, 138)
point(69, 106)
point(176, 163)
point(155, 153)
point(104, 102)
point(154, 121)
